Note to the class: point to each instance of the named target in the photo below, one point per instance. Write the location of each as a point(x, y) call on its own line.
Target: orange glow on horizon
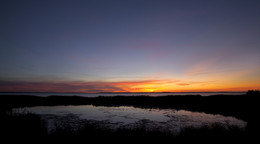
point(127, 86)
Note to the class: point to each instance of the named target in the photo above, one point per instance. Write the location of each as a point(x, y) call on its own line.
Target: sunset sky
point(129, 45)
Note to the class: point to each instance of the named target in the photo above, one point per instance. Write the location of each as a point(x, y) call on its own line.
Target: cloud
point(21, 86)
point(200, 83)
point(183, 84)
point(77, 86)
point(203, 67)
point(95, 87)
point(81, 86)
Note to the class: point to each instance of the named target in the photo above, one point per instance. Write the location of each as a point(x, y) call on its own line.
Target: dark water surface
point(170, 120)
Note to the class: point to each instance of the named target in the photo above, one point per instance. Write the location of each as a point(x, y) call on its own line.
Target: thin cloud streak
point(95, 87)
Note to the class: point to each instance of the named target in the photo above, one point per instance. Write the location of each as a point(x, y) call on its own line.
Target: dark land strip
point(243, 107)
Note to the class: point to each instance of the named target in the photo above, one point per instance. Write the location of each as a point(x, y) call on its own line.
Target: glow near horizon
point(89, 46)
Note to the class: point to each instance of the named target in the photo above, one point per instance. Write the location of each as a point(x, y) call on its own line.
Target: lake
point(126, 94)
point(170, 120)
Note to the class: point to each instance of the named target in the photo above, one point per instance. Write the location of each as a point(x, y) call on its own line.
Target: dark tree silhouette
point(253, 92)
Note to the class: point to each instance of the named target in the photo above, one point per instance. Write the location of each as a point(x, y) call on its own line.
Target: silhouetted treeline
point(253, 92)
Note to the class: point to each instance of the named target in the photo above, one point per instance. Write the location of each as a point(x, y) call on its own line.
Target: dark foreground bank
point(243, 107)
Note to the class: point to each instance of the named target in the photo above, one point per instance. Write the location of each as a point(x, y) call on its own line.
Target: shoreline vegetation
point(244, 107)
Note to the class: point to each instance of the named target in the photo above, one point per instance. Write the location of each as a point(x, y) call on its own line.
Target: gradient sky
point(129, 45)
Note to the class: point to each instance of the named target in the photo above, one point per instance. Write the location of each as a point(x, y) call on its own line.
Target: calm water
point(127, 94)
point(124, 116)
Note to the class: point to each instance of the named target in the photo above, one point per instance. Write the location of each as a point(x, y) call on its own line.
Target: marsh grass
point(96, 130)
point(22, 124)
point(26, 125)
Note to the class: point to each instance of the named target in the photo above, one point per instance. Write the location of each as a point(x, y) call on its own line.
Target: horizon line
point(134, 92)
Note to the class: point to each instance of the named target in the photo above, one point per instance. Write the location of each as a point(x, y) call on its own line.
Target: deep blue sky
point(182, 45)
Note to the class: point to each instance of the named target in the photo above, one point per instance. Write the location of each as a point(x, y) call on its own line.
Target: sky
point(129, 45)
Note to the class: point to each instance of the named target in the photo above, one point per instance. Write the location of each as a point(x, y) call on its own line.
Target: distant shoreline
point(153, 94)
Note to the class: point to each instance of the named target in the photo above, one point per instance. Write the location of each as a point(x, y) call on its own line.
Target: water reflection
point(130, 117)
